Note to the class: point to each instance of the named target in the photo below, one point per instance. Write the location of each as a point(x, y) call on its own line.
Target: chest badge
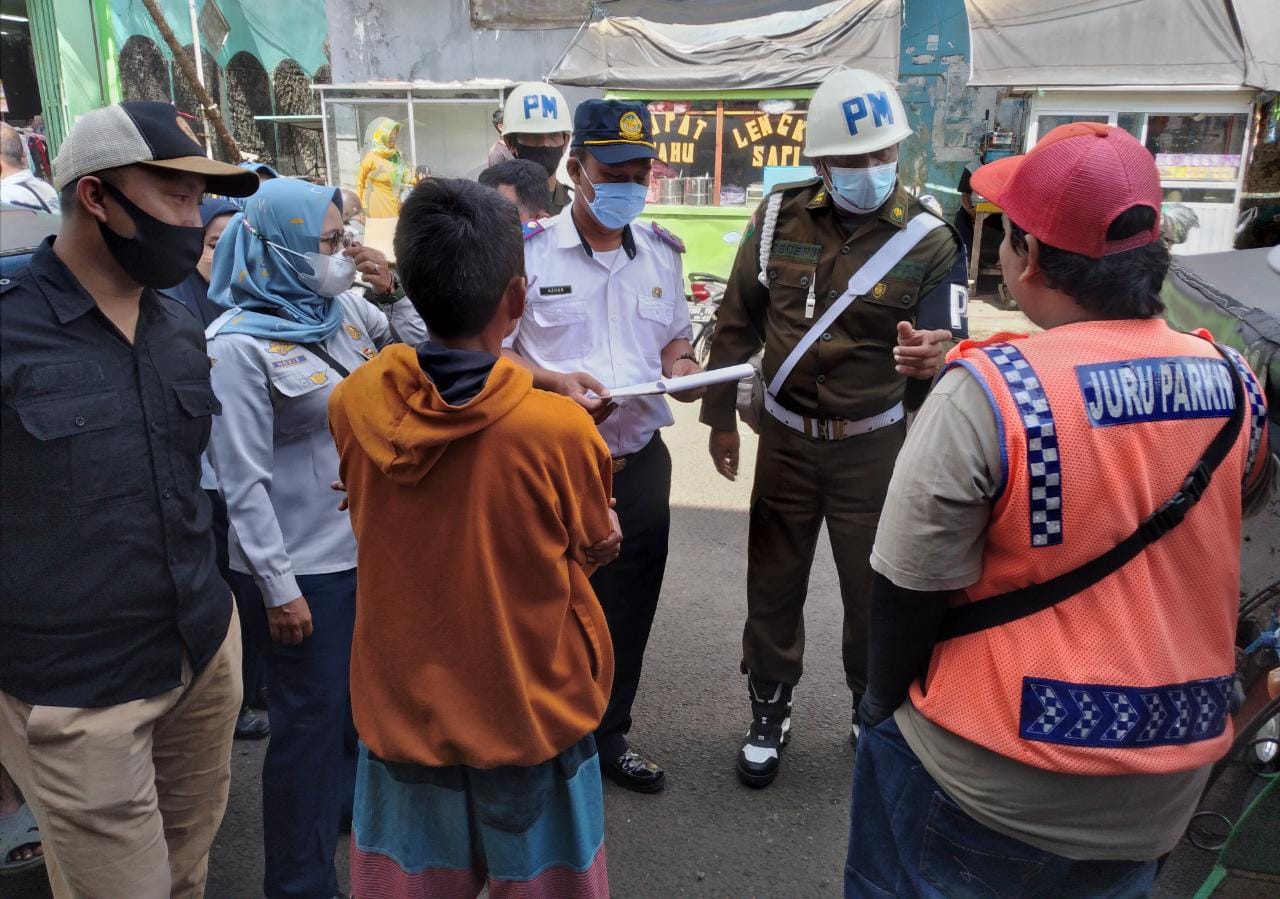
point(319, 377)
point(279, 348)
point(657, 293)
point(368, 352)
point(352, 331)
point(878, 290)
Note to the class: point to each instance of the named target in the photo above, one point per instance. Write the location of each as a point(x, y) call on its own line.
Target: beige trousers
point(129, 797)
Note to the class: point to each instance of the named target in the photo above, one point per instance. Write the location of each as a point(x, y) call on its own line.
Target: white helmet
point(536, 108)
point(854, 111)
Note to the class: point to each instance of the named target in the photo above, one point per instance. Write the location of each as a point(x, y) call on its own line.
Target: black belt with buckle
point(621, 462)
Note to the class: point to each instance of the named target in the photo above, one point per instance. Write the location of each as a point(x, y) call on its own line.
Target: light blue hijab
point(258, 279)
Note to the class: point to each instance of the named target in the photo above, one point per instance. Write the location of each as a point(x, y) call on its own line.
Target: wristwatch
point(395, 294)
point(692, 358)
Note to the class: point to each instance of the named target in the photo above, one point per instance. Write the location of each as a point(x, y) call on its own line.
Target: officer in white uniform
point(606, 309)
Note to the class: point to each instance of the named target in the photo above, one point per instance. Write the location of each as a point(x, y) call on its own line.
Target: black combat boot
point(769, 732)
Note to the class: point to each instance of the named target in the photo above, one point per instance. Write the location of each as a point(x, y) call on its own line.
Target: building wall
point(948, 118)
point(433, 40)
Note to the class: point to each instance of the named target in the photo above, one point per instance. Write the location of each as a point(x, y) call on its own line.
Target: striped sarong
point(526, 833)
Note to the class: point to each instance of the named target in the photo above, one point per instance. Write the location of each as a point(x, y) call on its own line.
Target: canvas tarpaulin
point(1085, 43)
point(788, 48)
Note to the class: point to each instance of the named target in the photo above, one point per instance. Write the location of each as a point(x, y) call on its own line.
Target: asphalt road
point(706, 835)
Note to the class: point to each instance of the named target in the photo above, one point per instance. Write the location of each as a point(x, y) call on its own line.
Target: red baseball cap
point(1069, 188)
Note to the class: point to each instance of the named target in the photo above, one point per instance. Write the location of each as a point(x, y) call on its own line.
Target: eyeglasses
point(338, 238)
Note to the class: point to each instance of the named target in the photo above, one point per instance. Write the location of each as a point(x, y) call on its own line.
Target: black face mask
point(159, 254)
point(547, 157)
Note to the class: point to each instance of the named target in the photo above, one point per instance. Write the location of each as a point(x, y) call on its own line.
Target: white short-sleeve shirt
point(608, 314)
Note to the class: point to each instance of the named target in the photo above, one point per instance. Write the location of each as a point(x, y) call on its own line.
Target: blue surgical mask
point(862, 191)
point(616, 205)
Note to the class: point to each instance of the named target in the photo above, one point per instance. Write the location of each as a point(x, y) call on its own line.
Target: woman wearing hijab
point(292, 330)
point(383, 171)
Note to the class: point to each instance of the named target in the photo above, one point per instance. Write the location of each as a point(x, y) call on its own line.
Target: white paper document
point(688, 382)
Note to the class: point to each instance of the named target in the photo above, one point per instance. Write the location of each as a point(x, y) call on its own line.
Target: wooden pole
point(212, 114)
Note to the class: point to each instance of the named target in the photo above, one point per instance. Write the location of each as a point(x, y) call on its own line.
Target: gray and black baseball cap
point(144, 132)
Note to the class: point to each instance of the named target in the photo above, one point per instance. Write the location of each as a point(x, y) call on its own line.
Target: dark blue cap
point(212, 207)
point(614, 131)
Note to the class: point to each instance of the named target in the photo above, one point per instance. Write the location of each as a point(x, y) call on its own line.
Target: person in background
point(37, 123)
point(20, 848)
point(965, 215)
point(475, 686)
point(383, 172)
point(18, 186)
point(352, 216)
point(292, 330)
point(1063, 734)
point(499, 152)
point(120, 667)
point(522, 182)
point(606, 301)
point(261, 169)
point(536, 124)
point(831, 428)
point(193, 293)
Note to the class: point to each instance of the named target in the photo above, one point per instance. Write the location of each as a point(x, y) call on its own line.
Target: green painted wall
point(64, 37)
point(271, 30)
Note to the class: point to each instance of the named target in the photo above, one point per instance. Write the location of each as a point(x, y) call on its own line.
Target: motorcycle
point(705, 293)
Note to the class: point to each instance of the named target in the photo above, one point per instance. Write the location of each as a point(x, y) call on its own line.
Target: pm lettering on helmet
point(855, 109)
point(532, 102)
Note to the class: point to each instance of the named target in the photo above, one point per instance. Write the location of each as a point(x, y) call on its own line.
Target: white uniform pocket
point(556, 329)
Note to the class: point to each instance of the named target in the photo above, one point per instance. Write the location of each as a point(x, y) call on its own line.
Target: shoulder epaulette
point(534, 228)
point(792, 185)
point(220, 322)
point(667, 237)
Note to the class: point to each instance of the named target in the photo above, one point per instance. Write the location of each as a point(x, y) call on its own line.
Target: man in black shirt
point(120, 674)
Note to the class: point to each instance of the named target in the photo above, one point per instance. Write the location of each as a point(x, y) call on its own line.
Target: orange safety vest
point(1100, 423)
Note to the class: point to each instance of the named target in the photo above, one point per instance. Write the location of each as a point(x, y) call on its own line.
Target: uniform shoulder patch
point(667, 237)
point(532, 229)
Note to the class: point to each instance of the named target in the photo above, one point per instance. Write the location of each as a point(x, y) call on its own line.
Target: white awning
point(788, 48)
point(1079, 43)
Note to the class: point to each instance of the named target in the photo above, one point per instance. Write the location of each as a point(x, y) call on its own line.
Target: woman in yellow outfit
point(383, 171)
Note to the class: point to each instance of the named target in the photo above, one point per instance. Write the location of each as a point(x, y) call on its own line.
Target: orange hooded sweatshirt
point(478, 639)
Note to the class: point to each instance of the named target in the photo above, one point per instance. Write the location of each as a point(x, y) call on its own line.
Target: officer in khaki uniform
point(831, 432)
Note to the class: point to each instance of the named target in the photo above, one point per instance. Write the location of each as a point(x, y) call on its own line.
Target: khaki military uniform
point(802, 481)
point(560, 198)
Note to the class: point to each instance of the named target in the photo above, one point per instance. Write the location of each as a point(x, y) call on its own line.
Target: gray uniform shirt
point(272, 451)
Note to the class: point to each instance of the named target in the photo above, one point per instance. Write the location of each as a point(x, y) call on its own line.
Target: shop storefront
point(445, 130)
point(727, 100)
point(1186, 79)
point(718, 154)
point(1199, 139)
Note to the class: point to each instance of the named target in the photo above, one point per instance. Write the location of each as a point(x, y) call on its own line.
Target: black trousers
point(248, 605)
point(628, 588)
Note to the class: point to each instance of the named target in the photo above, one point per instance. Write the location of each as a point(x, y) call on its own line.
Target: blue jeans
point(308, 775)
point(907, 838)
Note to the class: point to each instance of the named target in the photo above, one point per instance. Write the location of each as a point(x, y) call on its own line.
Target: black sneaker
point(770, 730)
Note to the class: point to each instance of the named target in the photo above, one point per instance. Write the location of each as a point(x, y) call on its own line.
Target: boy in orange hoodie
point(481, 662)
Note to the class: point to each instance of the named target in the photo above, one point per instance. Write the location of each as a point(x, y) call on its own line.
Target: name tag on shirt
point(556, 291)
point(1168, 388)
